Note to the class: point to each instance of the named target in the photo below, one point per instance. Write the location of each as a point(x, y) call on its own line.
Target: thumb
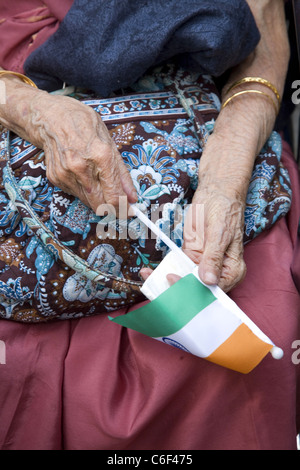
point(211, 264)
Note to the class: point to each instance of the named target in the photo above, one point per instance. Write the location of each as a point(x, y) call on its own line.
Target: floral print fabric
point(78, 263)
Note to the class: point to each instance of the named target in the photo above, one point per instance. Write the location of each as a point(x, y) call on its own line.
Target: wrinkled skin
point(81, 157)
point(219, 249)
point(83, 160)
point(227, 162)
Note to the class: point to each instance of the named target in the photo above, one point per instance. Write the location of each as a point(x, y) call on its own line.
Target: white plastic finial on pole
point(277, 353)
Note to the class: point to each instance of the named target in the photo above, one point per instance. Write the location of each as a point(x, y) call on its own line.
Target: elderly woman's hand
point(213, 234)
point(81, 157)
point(214, 224)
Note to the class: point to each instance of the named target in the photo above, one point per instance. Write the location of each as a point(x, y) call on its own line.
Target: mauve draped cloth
point(296, 262)
point(25, 25)
point(91, 384)
point(105, 46)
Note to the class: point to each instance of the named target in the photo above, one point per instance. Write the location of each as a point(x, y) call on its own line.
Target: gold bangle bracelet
point(20, 76)
point(250, 91)
point(261, 81)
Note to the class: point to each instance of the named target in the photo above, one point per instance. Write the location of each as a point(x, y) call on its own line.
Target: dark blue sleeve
point(106, 45)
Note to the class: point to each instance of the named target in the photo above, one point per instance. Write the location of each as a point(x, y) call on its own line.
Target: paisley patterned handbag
point(58, 260)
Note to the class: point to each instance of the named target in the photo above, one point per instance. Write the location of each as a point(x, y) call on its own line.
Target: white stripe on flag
point(206, 331)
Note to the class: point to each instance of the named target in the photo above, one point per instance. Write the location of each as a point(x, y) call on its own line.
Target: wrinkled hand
point(226, 164)
point(213, 239)
point(81, 157)
point(213, 236)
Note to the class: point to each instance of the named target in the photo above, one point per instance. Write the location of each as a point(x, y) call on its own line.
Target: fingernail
point(134, 196)
point(210, 278)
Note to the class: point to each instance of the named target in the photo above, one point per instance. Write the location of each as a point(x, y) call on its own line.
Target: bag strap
point(48, 239)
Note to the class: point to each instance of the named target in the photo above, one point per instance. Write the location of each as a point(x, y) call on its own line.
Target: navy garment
point(105, 45)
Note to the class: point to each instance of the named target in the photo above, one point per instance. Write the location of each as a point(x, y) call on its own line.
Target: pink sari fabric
point(91, 384)
point(25, 25)
point(296, 265)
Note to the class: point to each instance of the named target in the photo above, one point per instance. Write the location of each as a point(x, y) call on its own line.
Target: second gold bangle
point(239, 93)
point(261, 81)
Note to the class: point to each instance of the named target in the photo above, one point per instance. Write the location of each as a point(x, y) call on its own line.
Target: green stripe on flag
point(171, 310)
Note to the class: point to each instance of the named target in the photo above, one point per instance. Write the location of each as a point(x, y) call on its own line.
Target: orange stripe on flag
point(242, 351)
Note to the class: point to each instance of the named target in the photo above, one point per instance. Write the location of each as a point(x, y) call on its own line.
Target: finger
point(173, 278)
point(145, 273)
point(232, 276)
point(110, 172)
point(124, 180)
point(93, 198)
point(218, 236)
point(86, 187)
point(234, 267)
point(56, 173)
point(211, 263)
point(194, 227)
point(95, 178)
point(210, 268)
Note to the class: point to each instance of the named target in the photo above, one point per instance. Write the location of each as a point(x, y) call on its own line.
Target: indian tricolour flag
point(199, 319)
